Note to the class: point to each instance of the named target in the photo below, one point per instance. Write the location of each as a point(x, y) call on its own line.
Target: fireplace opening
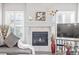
point(40, 38)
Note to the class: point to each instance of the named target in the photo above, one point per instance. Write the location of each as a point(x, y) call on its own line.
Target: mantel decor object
point(4, 31)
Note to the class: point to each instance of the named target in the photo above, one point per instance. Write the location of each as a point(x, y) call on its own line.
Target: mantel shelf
point(39, 23)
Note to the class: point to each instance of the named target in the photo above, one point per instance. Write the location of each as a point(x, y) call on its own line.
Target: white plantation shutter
point(0, 14)
point(16, 20)
point(65, 17)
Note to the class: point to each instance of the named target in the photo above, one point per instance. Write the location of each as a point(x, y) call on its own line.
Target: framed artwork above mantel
point(40, 16)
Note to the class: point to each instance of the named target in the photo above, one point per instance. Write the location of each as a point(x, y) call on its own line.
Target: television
point(68, 30)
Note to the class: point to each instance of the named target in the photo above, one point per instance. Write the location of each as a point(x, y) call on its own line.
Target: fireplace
point(40, 38)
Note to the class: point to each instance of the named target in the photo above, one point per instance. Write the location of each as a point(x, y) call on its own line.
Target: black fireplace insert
point(40, 38)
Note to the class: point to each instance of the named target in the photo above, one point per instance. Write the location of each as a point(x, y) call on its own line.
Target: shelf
point(68, 39)
point(38, 23)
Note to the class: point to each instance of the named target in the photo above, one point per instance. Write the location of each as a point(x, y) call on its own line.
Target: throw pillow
point(11, 40)
point(1, 39)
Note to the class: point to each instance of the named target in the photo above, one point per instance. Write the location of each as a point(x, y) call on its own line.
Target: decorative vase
point(68, 52)
point(53, 47)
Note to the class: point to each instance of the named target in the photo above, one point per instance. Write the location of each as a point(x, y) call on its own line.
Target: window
point(65, 17)
point(16, 21)
point(0, 17)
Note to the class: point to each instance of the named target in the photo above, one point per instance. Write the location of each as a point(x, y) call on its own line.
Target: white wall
point(14, 6)
point(78, 12)
point(32, 8)
point(29, 7)
point(0, 13)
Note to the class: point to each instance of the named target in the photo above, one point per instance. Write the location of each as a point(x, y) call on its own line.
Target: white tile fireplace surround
point(39, 26)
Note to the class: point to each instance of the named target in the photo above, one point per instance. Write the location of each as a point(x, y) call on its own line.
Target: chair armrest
point(25, 46)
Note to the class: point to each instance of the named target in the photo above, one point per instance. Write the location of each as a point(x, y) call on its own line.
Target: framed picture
point(40, 16)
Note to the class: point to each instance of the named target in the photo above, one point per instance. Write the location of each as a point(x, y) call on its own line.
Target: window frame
point(8, 20)
point(64, 20)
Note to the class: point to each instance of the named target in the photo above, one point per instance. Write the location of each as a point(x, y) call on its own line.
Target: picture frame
point(40, 16)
